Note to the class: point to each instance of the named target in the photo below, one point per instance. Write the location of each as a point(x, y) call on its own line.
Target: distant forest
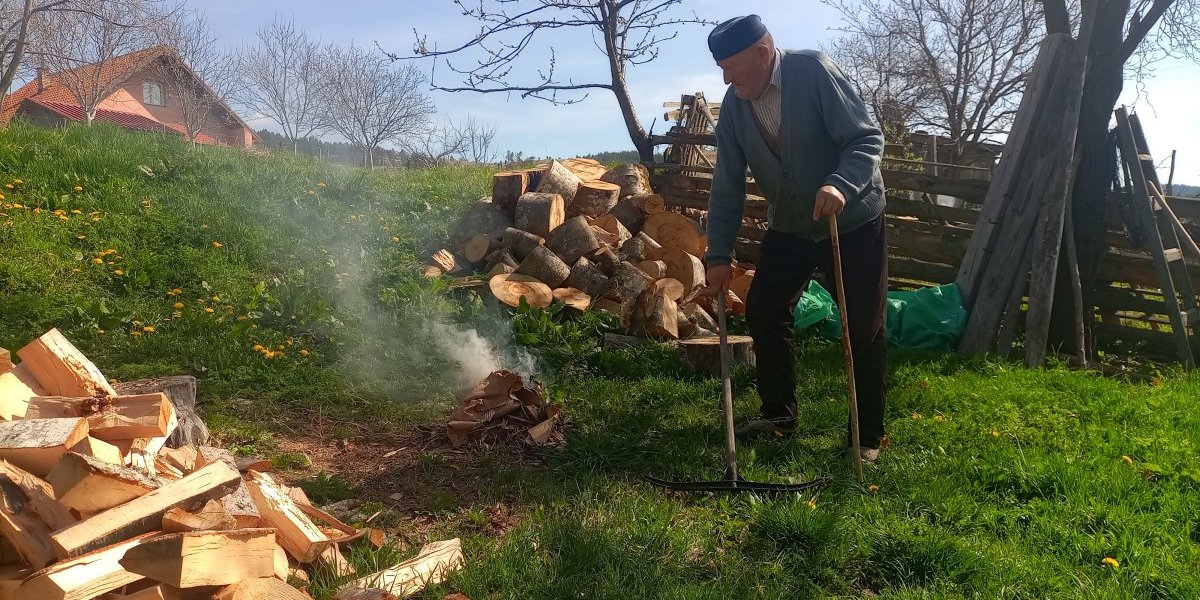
point(347, 154)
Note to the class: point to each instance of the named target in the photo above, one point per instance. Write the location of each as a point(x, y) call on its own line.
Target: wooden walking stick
point(846, 349)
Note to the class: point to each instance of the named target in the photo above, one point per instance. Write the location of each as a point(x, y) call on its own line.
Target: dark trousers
point(785, 266)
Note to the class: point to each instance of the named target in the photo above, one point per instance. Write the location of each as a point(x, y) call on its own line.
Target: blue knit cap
point(735, 35)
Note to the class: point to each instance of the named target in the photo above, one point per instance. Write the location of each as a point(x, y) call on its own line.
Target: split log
point(595, 198)
point(16, 388)
point(478, 246)
point(62, 369)
point(144, 513)
point(671, 287)
point(520, 243)
point(432, 272)
point(181, 391)
point(302, 539)
point(40, 496)
point(446, 261)
point(651, 249)
point(613, 226)
point(28, 534)
point(89, 486)
point(100, 450)
point(696, 314)
point(238, 503)
point(685, 325)
point(210, 517)
point(539, 213)
point(571, 240)
point(673, 230)
point(660, 319)
point(160, 591)
point(557, 179)
point(430, 566)
point(587, 169)
point(629, 215)
point(627, 283)
point(650, 204)
point(684, 267)
point(183, 459)
point(734, 303)
point(574, 298)
point(202, 558)
point(623, 310)
point(130, 417)
point(605, 238)
point(633, 178)
point(333, 559)
point(36, 445)
point(5, 361)
point(507, 187)
point(502, 256)
point(740, 284)
point(543, 265)
point(588, 278)
point(606, 259)
point(633, 250)
point(704, 354)
point(84, 577)
point(655, 269)
point(263, 588)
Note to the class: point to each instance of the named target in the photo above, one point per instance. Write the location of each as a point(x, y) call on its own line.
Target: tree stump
point(572, 240)
point(656, 269)
point(509, 289)
point(545, 266)
point(673, 230)
point(684, 267)
point(539, 213)
point(507, 188)
point(629, 215)
point(574, 298)
point(596, 198)
point(633, 178)
point(519, 242)
point(704, 353)
point(588, 277)
point(627, 283)
point(557, 179)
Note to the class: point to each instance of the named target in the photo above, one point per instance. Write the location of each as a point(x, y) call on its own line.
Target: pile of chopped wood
point(504, 409)
point(95, 504)
point(594, 239)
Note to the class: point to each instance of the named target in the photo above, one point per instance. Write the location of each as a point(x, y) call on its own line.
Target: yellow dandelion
point(98, 261)
point(216, 298)
point(148, 329)
point(257, 348)
point(8, 186)
point(241, 317)
point(204, 226)
point(1127, 459)
point(873, 488)
point(37, 211)
point(395, 239)
point(135, 333)
point(995, 433)
point(303, 352)
point(209, 310)
point(76, 211)
point(320, 184)
point(938, 418)
point(118, 272)
point(1110, 562)
point(917, 416)
point(1, 196)
point(177, 305)
point(100, 331)
point(95, 219)
point(64, 218)
point(18, 181)
point(217, 244)
point(174, 292)
point(78, 188)
point(18, 205)
point(811, 504)
point(146, 203)
point(81, 237)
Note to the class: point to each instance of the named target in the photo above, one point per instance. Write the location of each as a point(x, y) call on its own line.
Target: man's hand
point(830, 201)
point(718, 278)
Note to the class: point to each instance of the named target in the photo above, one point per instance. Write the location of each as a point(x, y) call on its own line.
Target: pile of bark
point(594, 239)
point(505, 409)
point(94, 502)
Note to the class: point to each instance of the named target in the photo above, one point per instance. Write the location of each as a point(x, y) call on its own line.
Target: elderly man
point(808, 139)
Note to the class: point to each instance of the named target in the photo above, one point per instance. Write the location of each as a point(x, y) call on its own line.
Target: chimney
point(41, 79)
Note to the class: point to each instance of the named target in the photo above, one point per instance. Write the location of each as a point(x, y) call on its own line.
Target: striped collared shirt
point(768, 110)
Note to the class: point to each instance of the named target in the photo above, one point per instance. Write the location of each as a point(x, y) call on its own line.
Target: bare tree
point(80, 45)
point(281, 80)
point(469, 140)
point(953, 66)
point(199, 75)
point(371, 101)
point(626, 32)
point(16, 20)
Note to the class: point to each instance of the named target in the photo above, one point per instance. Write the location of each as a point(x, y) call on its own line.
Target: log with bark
point(574, 298)
point(539, 213)
point(650, 204)
point(557, 179)
point(484, 217)
point(614, 227)
point(627, 283)
point(89, 486)
point(673, 230)
point(588, 278)
point(683, 267)
point(36, 445)
point(629, 215)
point(60, 368)
point(520, 243)
point(633, 250)
point(478, 246)
point(507, 188)
point(510, 289)
point(671, 287)
point(572, 240)
point(545, 266)
point(633, 178)
point(704, 353)
point(658, 315)
point(655, 269)
point(596, 198)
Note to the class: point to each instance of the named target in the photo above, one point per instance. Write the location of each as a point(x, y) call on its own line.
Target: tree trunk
point(616, 66)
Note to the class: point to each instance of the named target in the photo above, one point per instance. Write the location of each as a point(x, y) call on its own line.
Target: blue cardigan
point(827, 137)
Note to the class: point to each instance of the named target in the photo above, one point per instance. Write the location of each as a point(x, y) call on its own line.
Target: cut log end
point(510, 289)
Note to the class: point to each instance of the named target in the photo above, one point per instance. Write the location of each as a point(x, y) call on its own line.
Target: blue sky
point(1166, 103)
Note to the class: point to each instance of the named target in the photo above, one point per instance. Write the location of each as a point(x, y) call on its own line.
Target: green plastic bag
point(929, 318)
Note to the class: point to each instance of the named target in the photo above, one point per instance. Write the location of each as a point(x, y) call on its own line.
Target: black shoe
point(763, 428)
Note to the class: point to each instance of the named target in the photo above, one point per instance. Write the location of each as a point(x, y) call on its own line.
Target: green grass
point(1002, 482)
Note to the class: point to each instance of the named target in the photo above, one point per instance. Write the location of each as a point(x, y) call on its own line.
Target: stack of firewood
point(94, 504)
point(594, 239)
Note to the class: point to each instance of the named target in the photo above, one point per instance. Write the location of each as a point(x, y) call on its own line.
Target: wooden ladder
point(1160, 234)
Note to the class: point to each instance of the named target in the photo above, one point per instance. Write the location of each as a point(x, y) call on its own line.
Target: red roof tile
point(124, 119)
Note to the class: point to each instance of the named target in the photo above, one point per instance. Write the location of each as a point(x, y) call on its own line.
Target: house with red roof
point(136, 96)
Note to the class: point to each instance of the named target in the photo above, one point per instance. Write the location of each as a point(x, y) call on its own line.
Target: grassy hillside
point(286, 285)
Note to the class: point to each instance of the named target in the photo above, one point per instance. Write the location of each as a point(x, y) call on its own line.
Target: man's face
point(748, 71)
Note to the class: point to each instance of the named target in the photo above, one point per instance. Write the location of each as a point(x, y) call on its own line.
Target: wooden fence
point(927, 241)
